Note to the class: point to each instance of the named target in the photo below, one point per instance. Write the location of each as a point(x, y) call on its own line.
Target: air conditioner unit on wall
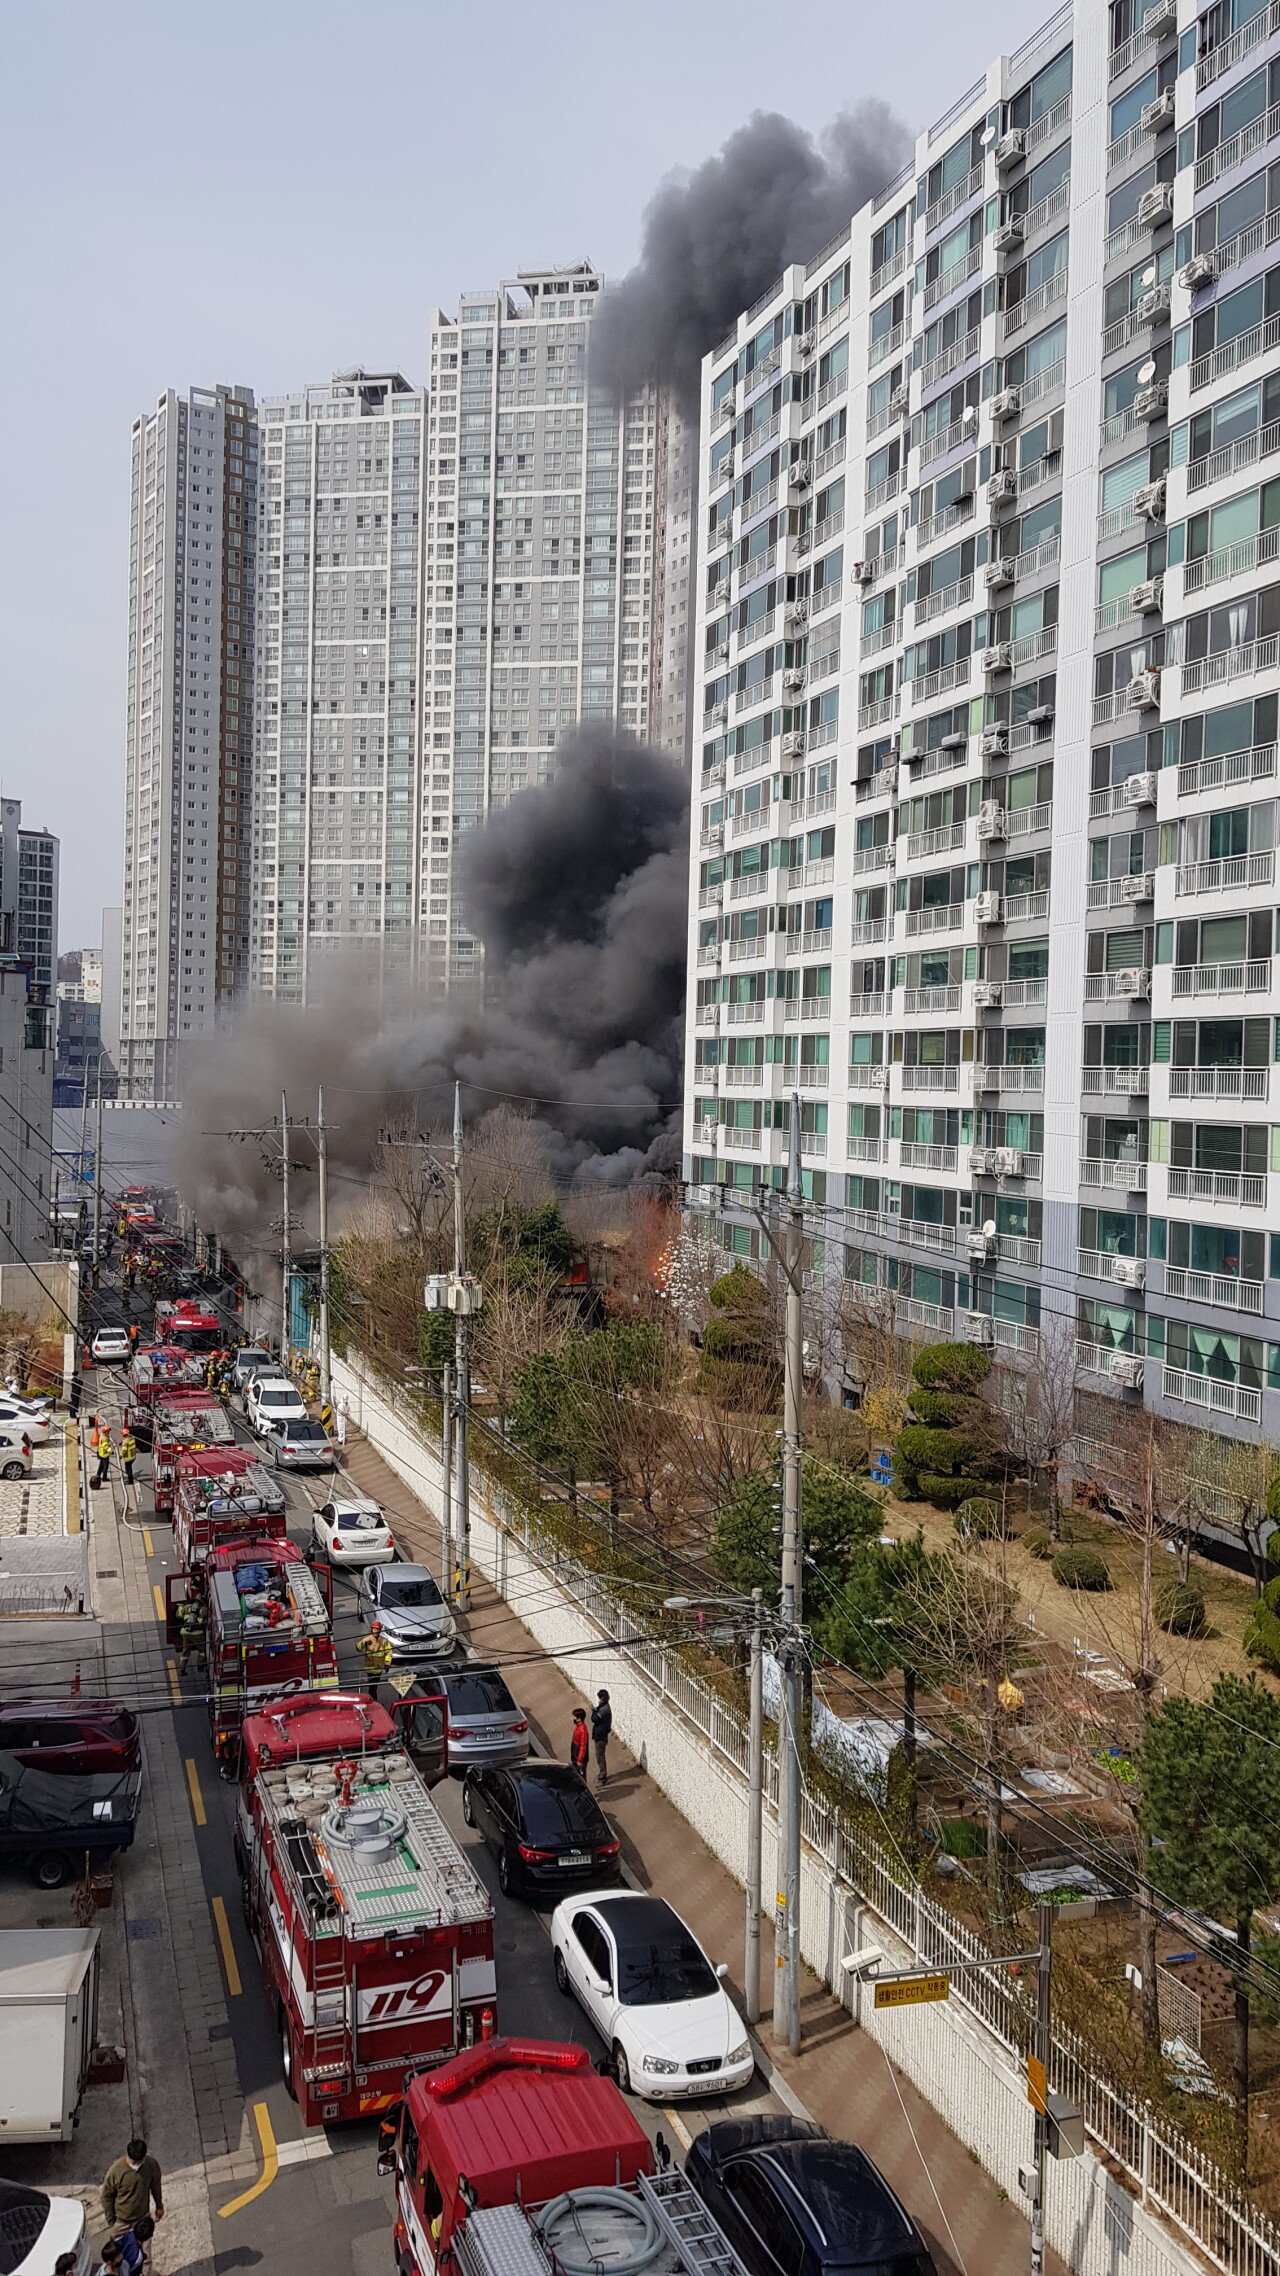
point(1126, 1369)
point(988, 995)
point(977, 1328)
point(1011, 147)
point(1006, 403)
point(1140, 790)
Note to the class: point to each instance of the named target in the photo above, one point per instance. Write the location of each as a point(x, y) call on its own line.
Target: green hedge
point(1082, 1569)
point(980, 1519)
point(1262, 1636)
point(951, 1367)
point(1179, 1608)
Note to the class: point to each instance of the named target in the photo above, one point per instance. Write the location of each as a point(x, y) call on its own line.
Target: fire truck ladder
point(702, 2247)
point(329, 1992)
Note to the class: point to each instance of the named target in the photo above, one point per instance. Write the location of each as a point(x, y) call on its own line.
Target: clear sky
point(267, 193)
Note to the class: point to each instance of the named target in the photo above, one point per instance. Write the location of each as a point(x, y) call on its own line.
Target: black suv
point(793, 2202)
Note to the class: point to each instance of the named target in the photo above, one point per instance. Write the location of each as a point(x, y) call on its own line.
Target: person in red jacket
point(580, 1741)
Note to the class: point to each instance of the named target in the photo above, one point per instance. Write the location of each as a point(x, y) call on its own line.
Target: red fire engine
point(151, 1372)
point(268, 1633)
point(188, 1326)
point(222, 1494)
point(191, 1417)
point(374, 1932)
point(520, 2159)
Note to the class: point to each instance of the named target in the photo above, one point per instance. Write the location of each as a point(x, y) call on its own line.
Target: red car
point(75, 1735)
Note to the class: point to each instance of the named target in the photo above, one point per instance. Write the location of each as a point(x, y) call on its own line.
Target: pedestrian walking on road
point(103, 1449)
point(128, 1454)
point(580, 1741)
point(132, 2187)
point(375, 1651)
point(340, 1419)
point(601, 1726)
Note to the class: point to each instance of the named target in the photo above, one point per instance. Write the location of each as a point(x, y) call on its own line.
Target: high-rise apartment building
point(543, 556)
point(985, 785)
point(338, 730)
point(37, 929)
point(675, 609)
point(193, 524)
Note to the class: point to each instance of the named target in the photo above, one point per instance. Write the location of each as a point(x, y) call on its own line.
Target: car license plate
point(703, 2085)
point(576, 1857)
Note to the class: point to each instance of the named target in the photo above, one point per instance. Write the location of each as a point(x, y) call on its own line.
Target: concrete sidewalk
point(841, 2077)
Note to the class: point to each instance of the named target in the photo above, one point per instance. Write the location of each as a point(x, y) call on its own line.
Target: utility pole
point(909, 1760)
point(1038, 2082)
point(787, 1934)
point(446, 1464)
point(97, 1179)
point(461, 1365)
point(286, 1261)
point(322, 1151)
point(57, 1212)
point(755, 1808)
point(84, 1127)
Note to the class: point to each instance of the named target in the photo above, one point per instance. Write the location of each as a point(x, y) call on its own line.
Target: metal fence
point(1169, 2175)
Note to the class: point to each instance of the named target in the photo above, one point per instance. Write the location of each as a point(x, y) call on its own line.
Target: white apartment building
point(185, 936)
point(37, 913)
point(544, 560)
point(337, 720)
point(985, 787)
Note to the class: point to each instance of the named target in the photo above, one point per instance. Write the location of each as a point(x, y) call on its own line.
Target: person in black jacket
point(601, 1726)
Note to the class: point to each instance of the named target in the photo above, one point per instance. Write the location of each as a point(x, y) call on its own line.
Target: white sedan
point(111, 1344)
point(273, 1399)
point(38, 1422)
point(352, 1530)
point(37, 2231)
point(652, 1994)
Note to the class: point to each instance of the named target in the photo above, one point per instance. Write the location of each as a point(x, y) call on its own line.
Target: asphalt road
point(326, 2208)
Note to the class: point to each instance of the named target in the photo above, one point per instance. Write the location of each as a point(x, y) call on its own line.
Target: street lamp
point(755, 1775)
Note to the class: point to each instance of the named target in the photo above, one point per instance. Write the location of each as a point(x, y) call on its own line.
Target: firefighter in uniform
point(190, 1619)
point(375, 1652)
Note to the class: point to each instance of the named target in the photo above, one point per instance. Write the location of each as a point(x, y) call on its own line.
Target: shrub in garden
point(1179, 1608)
point(1082, 1569)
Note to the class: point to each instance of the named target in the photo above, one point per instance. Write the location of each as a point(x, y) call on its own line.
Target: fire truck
point(267, 1633)
point(189, 1327)
point(520, 2159)
point(192, 1417)
point(374, 1932)
point(221, 1494)
point(153, 1371)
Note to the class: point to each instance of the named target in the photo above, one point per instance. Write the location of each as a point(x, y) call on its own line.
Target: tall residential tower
point(193, 523)
point(985, 787)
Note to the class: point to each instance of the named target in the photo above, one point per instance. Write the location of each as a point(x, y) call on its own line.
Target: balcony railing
point(1049, 124)
point(1034, 645)
point(1095, 1264)
point(1206, 1391)
point(944, 918)
point(951, 279)
point(1018, 908)
point(1260, 340)
point(874, 643)
point(918, 1314)
point(948, 597)
point(1116, 1082)
point(735, 1141)
point(1019, 993)
point(886, 273)
point(1024, 821)
point(939, 999)
point(759, 436)
point(865, 931)
point(1129, 1176)
point(949, 359)
point(1244, 979)
point(833, 455)
point(1247, 553)
point(1222, 1289)
point(1231, 51)
point(753, 945)
point(945, 839)
point(944, 439)
point(749, 1078)
point(1104, 986)
point(1042, 383)
point(886, 344)
point(915, 1156)
point(867, 1149)
point(1113, 893)
point(1229, 875)
point(1219, 465)
point(937, 683)
point(867, 1075)
point(930, 1078)
point(872, 857)
point(1219, 1082)
point(810, 1078)
point(1044, 297)
point(866, 1003)
point(822, 667)
point(745, 1015)
point(881, 492)
point(876, 714)
point(1255, 765)
point(749, 888)
point(813, 943)
point(1007, 1075)
point(1017, 1248)
point(1239, 147)
point(949, 518)
point(1242, 1188)
point(951, 201)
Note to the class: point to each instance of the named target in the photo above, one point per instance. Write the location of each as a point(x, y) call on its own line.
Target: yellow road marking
point(270, 2157)
point(678, 2126)
point(175, 1688)
point(147, 1542)
point(158, 1593)
point(232, 1972)
point(197, 1798)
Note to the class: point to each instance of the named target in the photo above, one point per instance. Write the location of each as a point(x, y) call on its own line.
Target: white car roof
point(343, 1504)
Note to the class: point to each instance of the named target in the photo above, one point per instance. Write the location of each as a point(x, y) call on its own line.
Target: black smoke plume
point(717, 238)
point(578, 890)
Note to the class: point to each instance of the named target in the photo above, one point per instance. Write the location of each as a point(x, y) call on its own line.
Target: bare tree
point(505, 1171)
point(523, 1315)
point(1037, 1406)
point(876, 1348)
point(407, 1180)
point(959, 1615)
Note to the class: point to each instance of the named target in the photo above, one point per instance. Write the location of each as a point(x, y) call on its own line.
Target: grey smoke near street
point(579, 891)
point(716, 238)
